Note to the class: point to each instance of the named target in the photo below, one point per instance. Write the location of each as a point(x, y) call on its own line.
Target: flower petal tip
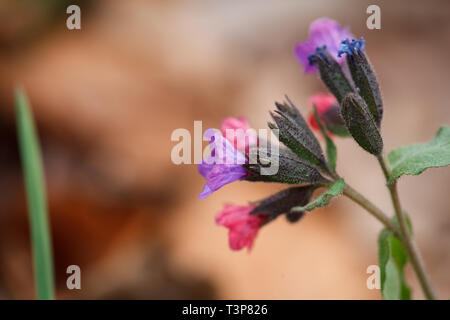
point(243, 227)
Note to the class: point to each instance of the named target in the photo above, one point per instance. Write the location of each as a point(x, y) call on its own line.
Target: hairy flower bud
point(363, 76)
point(283, 202)
point(295, 133)
point(291, 169)
point(361, 124)
point(331, 73)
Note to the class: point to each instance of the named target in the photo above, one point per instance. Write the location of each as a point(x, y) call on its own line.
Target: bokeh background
point(106, 99)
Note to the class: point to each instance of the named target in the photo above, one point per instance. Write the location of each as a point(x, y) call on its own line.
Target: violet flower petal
point(322, 32)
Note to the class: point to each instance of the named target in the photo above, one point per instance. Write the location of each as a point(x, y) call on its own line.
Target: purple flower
point(322, 32)
point(223, 166)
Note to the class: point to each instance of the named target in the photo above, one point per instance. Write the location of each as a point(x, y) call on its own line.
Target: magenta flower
point(223, 166)
point(242, 226)
point(239, 133)
point(322, 32)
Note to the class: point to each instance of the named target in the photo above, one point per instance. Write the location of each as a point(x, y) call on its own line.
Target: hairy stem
point(406, 238)
point(354, 195)
point(370, 207)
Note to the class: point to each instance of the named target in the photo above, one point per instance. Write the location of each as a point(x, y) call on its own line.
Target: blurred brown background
point(106, 99)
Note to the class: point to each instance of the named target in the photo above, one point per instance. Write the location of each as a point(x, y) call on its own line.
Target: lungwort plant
point(354, 108)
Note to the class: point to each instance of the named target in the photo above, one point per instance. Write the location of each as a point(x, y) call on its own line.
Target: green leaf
point(392, 260)
point(416, 158)
point(331, 147)
point(36, 198)
point(392, 289)
point(325, 198)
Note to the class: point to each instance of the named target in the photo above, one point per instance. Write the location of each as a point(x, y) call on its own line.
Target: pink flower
point(323, 102)
point(242, 226)
point(235, 130)
point(329, 113)
point(322, 32)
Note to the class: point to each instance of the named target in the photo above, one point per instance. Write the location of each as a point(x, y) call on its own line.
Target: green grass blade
point(36, 198)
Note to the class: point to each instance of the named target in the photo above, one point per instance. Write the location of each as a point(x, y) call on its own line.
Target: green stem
point(370, 207)
point(406, 238)
point(357, 197)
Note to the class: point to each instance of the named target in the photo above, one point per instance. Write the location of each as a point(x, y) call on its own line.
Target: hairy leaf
point(325, 198)
point(416, 158)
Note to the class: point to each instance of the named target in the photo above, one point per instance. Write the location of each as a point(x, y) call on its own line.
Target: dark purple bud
point(290, 168)
point(331, 73)
point(361, 124)
point(363, 76)
point(295, 133)
point(283, 202)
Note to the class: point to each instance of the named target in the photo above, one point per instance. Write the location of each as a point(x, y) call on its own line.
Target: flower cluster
point(353, 108)
point(358, 108)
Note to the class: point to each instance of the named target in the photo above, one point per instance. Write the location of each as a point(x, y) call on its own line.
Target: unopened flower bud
point(291, 169)
point(283, 202)
point(361, 124)
point(363, 76)
point(295, 133)
point(331, 73)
